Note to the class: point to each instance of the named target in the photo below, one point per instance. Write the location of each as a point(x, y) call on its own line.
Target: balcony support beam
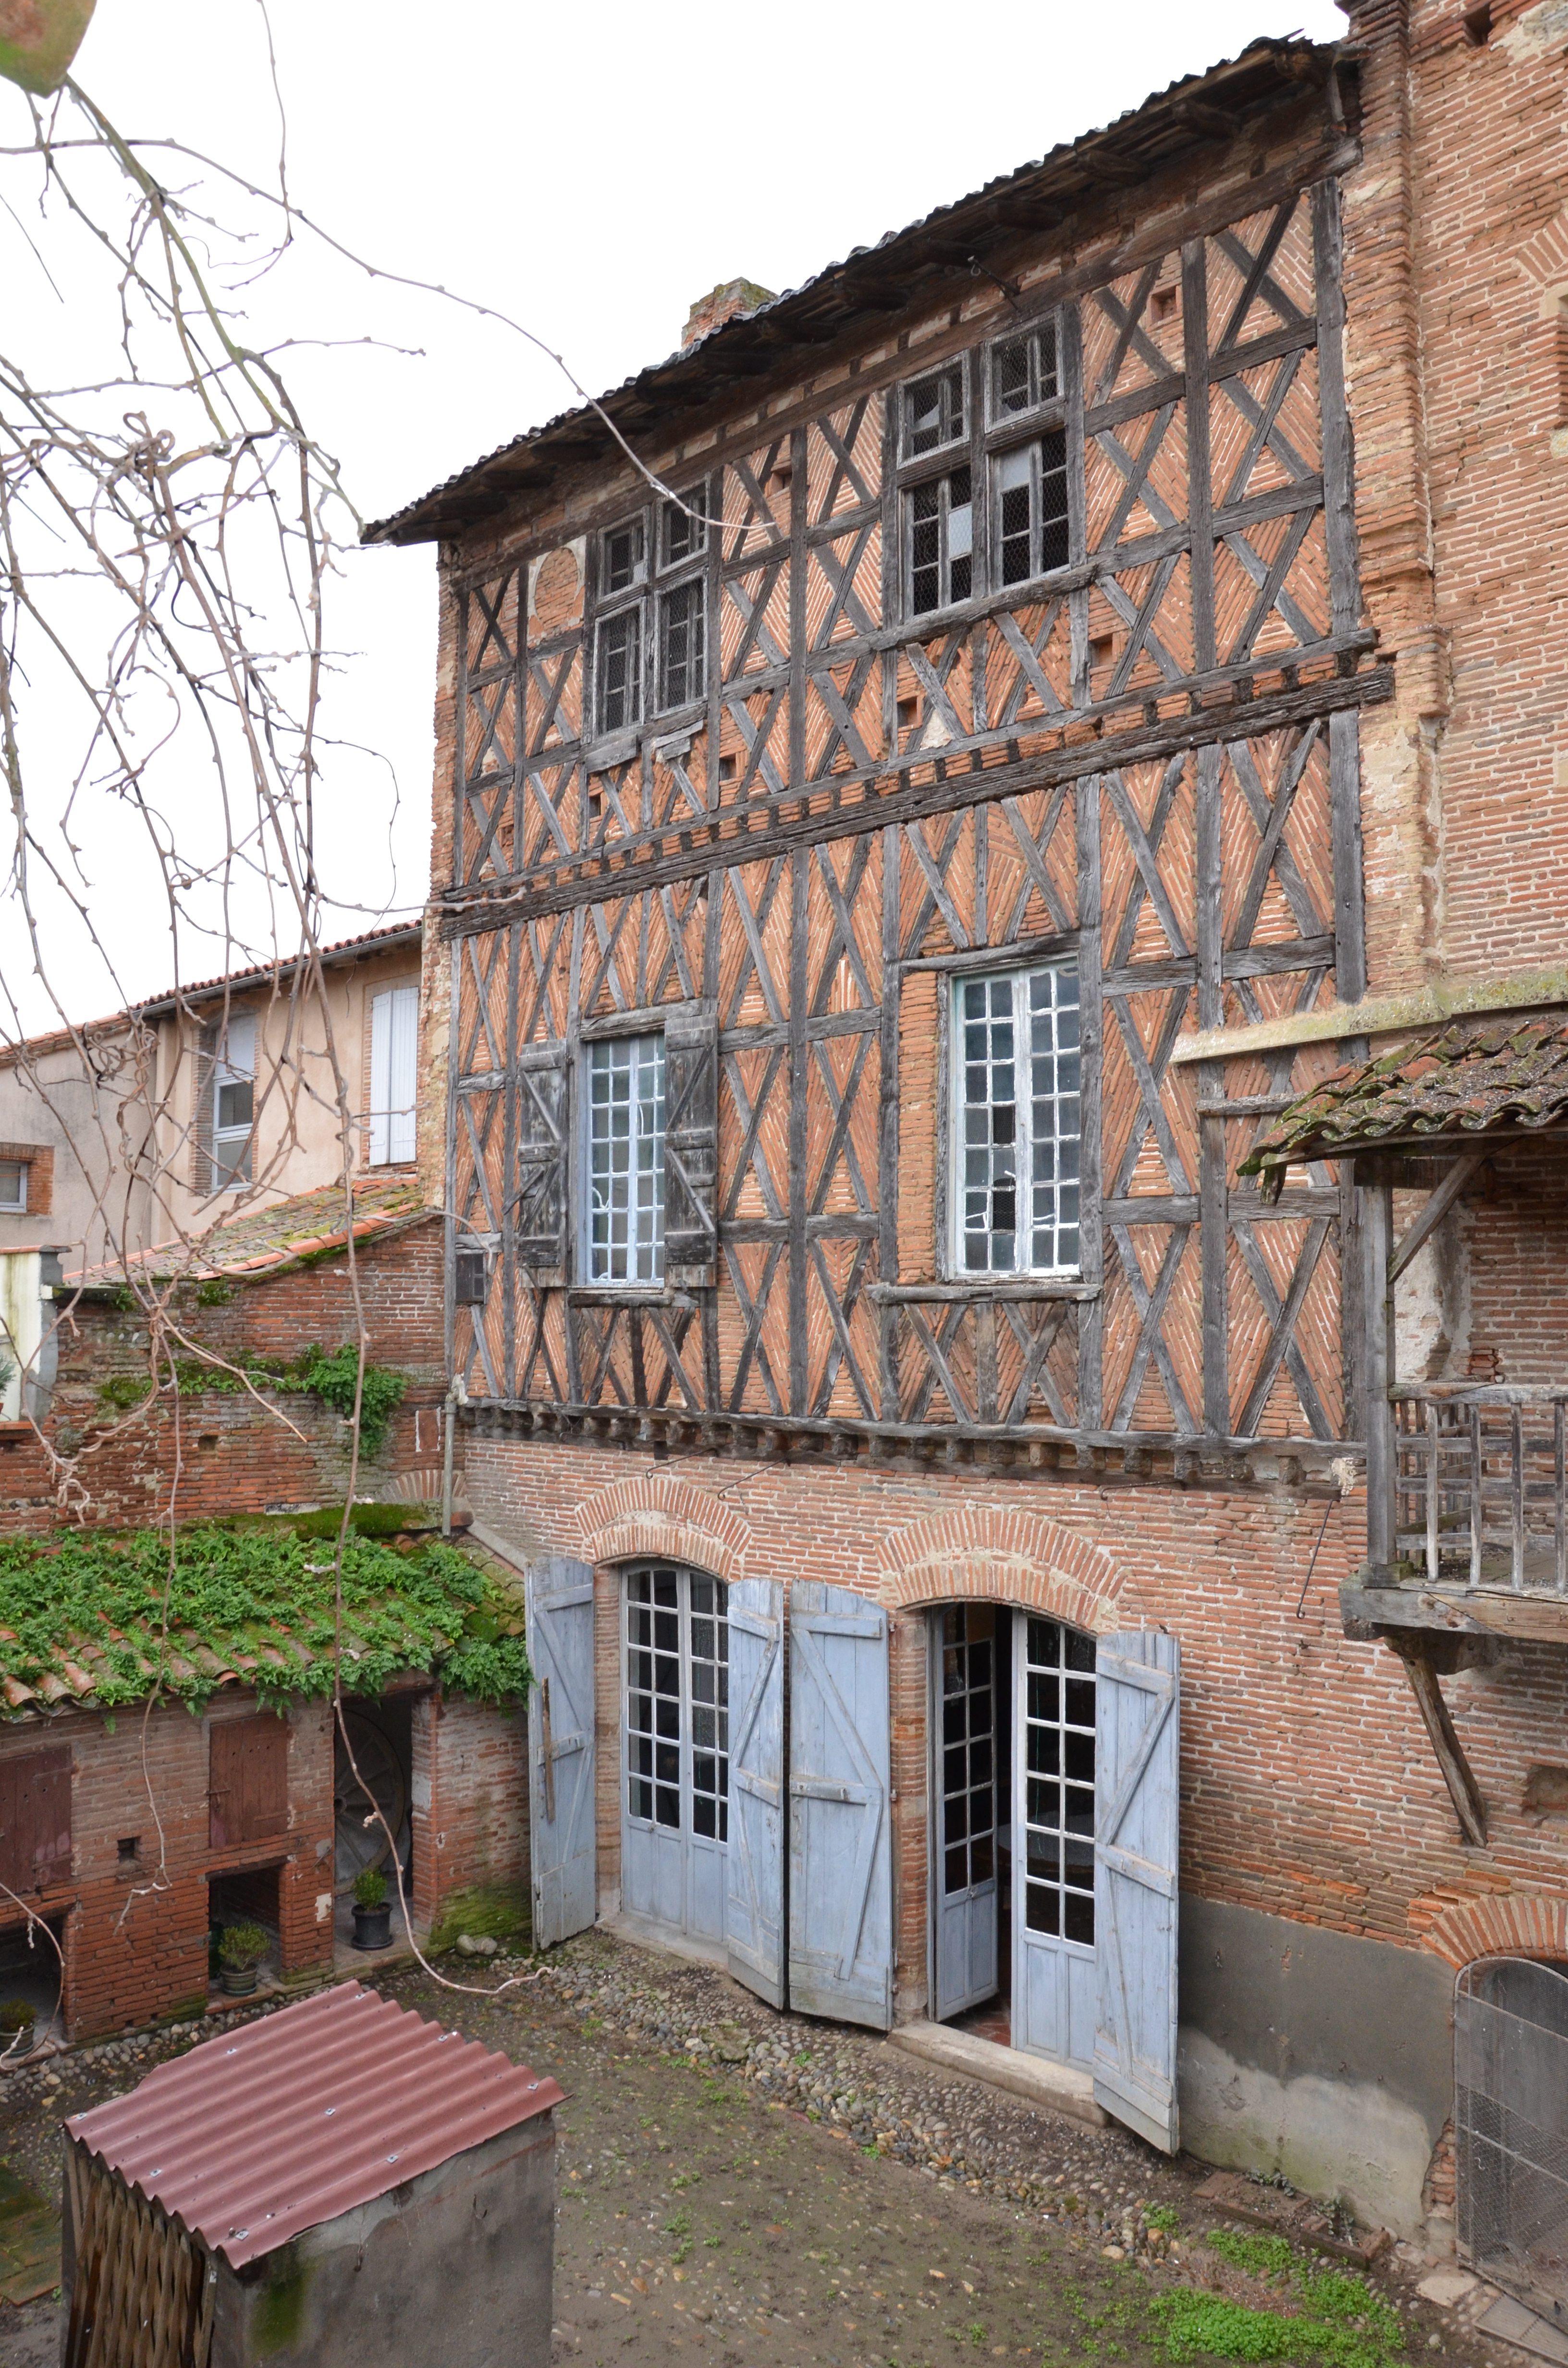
point(1438, 1206)
point(1419, 1656)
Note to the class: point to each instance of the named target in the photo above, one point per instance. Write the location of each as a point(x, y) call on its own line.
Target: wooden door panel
point(35, 1821)
point(247, 1781)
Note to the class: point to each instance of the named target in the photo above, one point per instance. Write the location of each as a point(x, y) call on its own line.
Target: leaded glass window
point(1059, 1778)
point(682, 621)
point(626, 1160)
point(1017, 1074)
point(1031, 493)
point(621, 671)
point(940, 542)
point(1024, 372)
point(933, 412)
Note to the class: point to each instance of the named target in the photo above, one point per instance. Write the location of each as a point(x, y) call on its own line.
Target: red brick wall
point(136, 1935)
point(1516, 1231)
point(470, 1813)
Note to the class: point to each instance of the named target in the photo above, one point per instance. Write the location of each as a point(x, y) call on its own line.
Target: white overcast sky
point(589, 170)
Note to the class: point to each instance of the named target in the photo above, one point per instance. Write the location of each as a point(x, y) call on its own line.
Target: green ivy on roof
point(99, 1620)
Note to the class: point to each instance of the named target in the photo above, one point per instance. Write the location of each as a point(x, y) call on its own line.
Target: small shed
point(337, 2183)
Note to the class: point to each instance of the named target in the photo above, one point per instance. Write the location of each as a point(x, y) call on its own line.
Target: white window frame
point(18, 1206)
point(233, 1064)
point(1056, 1194)
point(395, 1076)
point(613, 1199)
point(681, 1762)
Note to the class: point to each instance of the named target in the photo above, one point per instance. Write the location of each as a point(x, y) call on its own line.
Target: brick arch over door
point(1503, 1924)
point(659, 1519)
point(1009, 1556)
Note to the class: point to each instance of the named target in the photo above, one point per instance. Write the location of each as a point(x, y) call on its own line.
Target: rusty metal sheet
point(289, 2121)
point(1451, 1088)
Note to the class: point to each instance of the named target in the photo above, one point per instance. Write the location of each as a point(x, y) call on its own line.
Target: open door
point(1135, 1882)
point(840, 1851)
point(559, 1596)
point(755, 1921)
point(964, 1702)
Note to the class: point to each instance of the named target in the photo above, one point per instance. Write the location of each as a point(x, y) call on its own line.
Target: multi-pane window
point(1058, 1802)
point(233, 1100)
point(1024, 372)
point(933, 412)
point(678, 1701)
point(940, 542)
point(13, 1184)
point(1016, 1068)
point(682, 638)
point(1030, 485)
point(684, 527)
point(968, 1766)
point(626, 1160)
point(624, 560)
point(621, 671)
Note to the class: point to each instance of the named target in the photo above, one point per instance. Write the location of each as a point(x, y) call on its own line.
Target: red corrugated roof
point(303, 2114)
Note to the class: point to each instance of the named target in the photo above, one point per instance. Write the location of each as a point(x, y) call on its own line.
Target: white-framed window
point(394, 1074)
point(625, 1230)
point(678, 1701)
point(13, 1185)
point(233, 1100)
point(1017, 1124)
point(1058, 1802)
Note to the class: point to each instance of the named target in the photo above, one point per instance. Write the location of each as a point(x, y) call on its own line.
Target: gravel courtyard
point(754, 2188)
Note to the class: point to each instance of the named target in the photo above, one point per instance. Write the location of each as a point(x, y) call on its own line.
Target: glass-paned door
point(964, 1713)
point(1054, 1982)
point(675, 1797)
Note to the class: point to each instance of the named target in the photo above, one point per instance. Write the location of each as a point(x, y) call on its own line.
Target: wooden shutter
point(840, 1851)
point(248, 1779)
point(540, 1198)
point(754, 1920)
point(560, 1600)
point(205, 1054)
point(691, 1145)
point(1135, 1882)
point(35, 1821)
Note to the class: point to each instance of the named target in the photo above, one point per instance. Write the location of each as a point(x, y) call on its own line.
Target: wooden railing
point(1478, 1494)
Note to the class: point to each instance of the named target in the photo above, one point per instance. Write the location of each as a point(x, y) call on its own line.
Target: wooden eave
point(870, 288)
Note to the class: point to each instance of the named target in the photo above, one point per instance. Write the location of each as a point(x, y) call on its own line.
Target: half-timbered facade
point(897, 852)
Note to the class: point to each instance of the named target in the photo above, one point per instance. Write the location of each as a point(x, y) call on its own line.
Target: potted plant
point(240, 1953)
point(372, 1912)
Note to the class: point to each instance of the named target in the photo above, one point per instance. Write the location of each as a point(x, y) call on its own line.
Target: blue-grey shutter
point(542, 1193)
point(754, 1920)
point(559, 1596)
point(691, 1145)
point(1135, 1882)
point(840, 1851)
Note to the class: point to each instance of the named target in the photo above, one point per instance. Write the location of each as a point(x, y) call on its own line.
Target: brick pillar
point(422, 1810)
point(305, 1881)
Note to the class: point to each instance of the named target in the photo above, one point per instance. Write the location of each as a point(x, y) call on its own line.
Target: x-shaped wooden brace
point(1134, 469)
point(1138, 618)
point(1283, 1316)
point(842, 941)
point(840, 568)
point(677, 916)
point(534, 1025)
point(607, 936)
point(1029, 649)
point(936, 870)
point(1149, 1074)
point(845, 472)
point(753, 1349)
point(618, 787)
point(485, 1051)
point(759, 518)
point(1127, 319)
point(841, 1350)
point(751, 606)
point(551, 688)
point(1150, 1306)
point(494, 648)
point(1144, 848)
point(759, 764)
point(935, 1346)
point(753, 962)
point(751, 1115)
point(843, 709)
point(479, 1353)
point(547, 802)
point(1037, 1345)
point(538, 1350)
point(1274, 855)
point(1034, 849)
point(1269, 576)
point(1263, 419)
point(839, 1146)
point(1257, 277)
point(596, 1328)
point(478, 1140)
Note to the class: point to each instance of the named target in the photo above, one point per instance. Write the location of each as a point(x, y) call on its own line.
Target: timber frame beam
point(1423, 1655)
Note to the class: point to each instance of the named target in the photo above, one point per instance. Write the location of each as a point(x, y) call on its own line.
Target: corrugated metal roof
point(1196, 107)
point(303, 2114)
point(1455, 1085)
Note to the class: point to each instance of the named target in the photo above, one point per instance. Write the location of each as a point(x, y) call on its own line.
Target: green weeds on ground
point(1338, 2318)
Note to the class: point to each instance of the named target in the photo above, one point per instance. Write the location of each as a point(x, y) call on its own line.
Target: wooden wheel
point(358, 1845)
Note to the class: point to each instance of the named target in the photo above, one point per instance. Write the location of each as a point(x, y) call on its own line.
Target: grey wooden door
point(840, 1851)
point(676, 1731)
point(963, 1786)
point(560, 1600)
point(1135, 1883)
point(755, 1909)
point(1055, 1988)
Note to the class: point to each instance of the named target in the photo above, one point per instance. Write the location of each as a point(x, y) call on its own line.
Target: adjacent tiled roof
point(872, 281)
point(1443, 1090)
point(305, 2115)
point(261, 1241)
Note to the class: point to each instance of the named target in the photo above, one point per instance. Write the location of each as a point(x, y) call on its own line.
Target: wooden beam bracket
point(1416, 1652)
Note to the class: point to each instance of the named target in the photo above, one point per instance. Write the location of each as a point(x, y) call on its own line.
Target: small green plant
point(335, 1380)
point(370, 1888)
point(241, 1946)
point(214, 1292)
point(1261, 2256)
point(1165, 2218)
point(124, 1391)
point(16, 2015)
point(1341, 2321)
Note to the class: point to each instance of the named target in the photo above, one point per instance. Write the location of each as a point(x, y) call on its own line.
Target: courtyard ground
point(766, 2192)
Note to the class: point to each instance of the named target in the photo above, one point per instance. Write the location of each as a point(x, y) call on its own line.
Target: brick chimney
point(731, 301)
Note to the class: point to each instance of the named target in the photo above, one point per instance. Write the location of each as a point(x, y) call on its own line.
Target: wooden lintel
point(1528, 1616)
point(1457, 1772)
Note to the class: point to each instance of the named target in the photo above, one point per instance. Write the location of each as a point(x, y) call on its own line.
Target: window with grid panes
point(1024, 372)
point(621, 671)
point(626, 1160)
point(1029, 486)
point(677, 1700)
point(682, 637)
point(1016, 1083)
point(1059, 1781)
point(968, 1769)
point(684, 527)
point(935, 412)
point(939, 538)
